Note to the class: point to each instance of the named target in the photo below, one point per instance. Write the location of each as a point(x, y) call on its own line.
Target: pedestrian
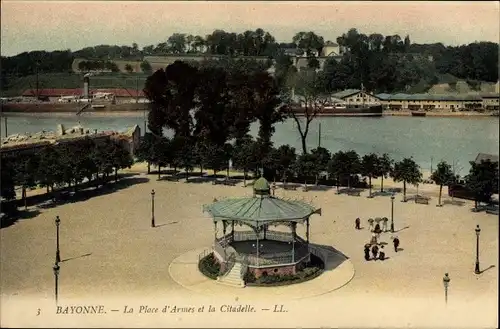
point(370, 221)
point(374, 239)
point(382, 253)
point(367, 252)
point(395, 241)
point(374, 252)
point(384, 223)
point(358, 222)
point(377, 229)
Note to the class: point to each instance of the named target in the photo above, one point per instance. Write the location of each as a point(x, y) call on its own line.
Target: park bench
point(229, 182)
point(421, 200)
point(289, 187)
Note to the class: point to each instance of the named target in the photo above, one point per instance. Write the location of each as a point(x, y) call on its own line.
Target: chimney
point(86, 87)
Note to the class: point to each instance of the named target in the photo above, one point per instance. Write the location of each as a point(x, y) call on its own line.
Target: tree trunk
point(303, 141)
point(317, 179)
point(382, 184)
point(187, 174)
point(349, 181)
point(116, 174)
point(227, 173)
point(149, 167)
point(159, 171)
point(370, 185)
point(305, 185)
point(475, 204)
point(404, 191)
point(244, 177)
point(201, 170)
point(338, 184)
point(47, 187)
point(440, 190)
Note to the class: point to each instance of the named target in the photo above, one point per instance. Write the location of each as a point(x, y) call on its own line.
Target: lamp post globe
point(58, 254)
point(152, 208)
point(392, 213)
point(478, 232)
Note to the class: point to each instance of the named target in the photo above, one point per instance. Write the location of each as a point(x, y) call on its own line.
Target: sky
point(59, 25)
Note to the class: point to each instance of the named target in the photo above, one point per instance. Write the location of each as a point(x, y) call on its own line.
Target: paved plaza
point(109, 250)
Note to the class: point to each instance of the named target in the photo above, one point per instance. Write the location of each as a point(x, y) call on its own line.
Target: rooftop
point(261, 209)
point(484, 156)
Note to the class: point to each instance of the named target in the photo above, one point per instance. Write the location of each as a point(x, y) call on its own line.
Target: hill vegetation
point(381, 63)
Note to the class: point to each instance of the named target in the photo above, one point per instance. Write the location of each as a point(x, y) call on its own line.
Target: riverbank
point(442, 114)
point(142, 114)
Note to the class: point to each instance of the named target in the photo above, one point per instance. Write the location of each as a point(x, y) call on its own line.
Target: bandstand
point(261, 250)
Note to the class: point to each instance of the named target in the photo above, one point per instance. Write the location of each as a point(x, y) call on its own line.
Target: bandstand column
point(265, 231)
point(294, 230)
point(307, 230)
point(257, 233)
point(232, 230)
point(215, 230)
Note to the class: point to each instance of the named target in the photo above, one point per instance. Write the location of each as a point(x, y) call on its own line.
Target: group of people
point(379, 253)
point(373, 246)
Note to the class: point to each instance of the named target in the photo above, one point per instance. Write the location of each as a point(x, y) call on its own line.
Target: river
point(426, 139)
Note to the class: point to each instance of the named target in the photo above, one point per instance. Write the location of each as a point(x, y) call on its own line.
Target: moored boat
point(418, 114)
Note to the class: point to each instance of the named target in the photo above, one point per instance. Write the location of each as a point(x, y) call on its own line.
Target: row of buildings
point(394, 102)
point(426, 102)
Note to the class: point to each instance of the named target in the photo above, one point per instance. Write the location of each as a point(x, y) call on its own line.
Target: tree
point(306, 167)
point(243, 155)
point(369, 168)
point(129, 68)
point(407, 171)
point(322, 157)
point(24, 172)
point(7, 188)
point(177, 43)
point(172, 97)
point(120, 157)
point(267, 107)
point(443, 175)
point(145, 150)
point(351, 165)
point(384, 168)
point(335, 167)
point(146, 67)
point(482, 180)
point(309, 42)
point(311, 98)
point(284, 158)
point(49, 169)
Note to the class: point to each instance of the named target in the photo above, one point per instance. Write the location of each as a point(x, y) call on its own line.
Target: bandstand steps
point(233, 278)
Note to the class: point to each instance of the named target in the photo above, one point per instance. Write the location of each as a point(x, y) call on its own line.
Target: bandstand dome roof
point(260, 209)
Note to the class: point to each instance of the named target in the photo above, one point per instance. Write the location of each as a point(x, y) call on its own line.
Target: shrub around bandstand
point(209, 266)
point(263, 255)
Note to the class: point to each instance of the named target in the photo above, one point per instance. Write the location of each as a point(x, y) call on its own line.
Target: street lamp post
point(56, 276)
point(478, 231)
point(446, 282)
point(153, 208)
point(273, 187)
point(58, 255)
point(392, 213)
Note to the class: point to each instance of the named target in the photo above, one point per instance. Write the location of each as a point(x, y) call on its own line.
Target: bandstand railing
point(223, 248)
